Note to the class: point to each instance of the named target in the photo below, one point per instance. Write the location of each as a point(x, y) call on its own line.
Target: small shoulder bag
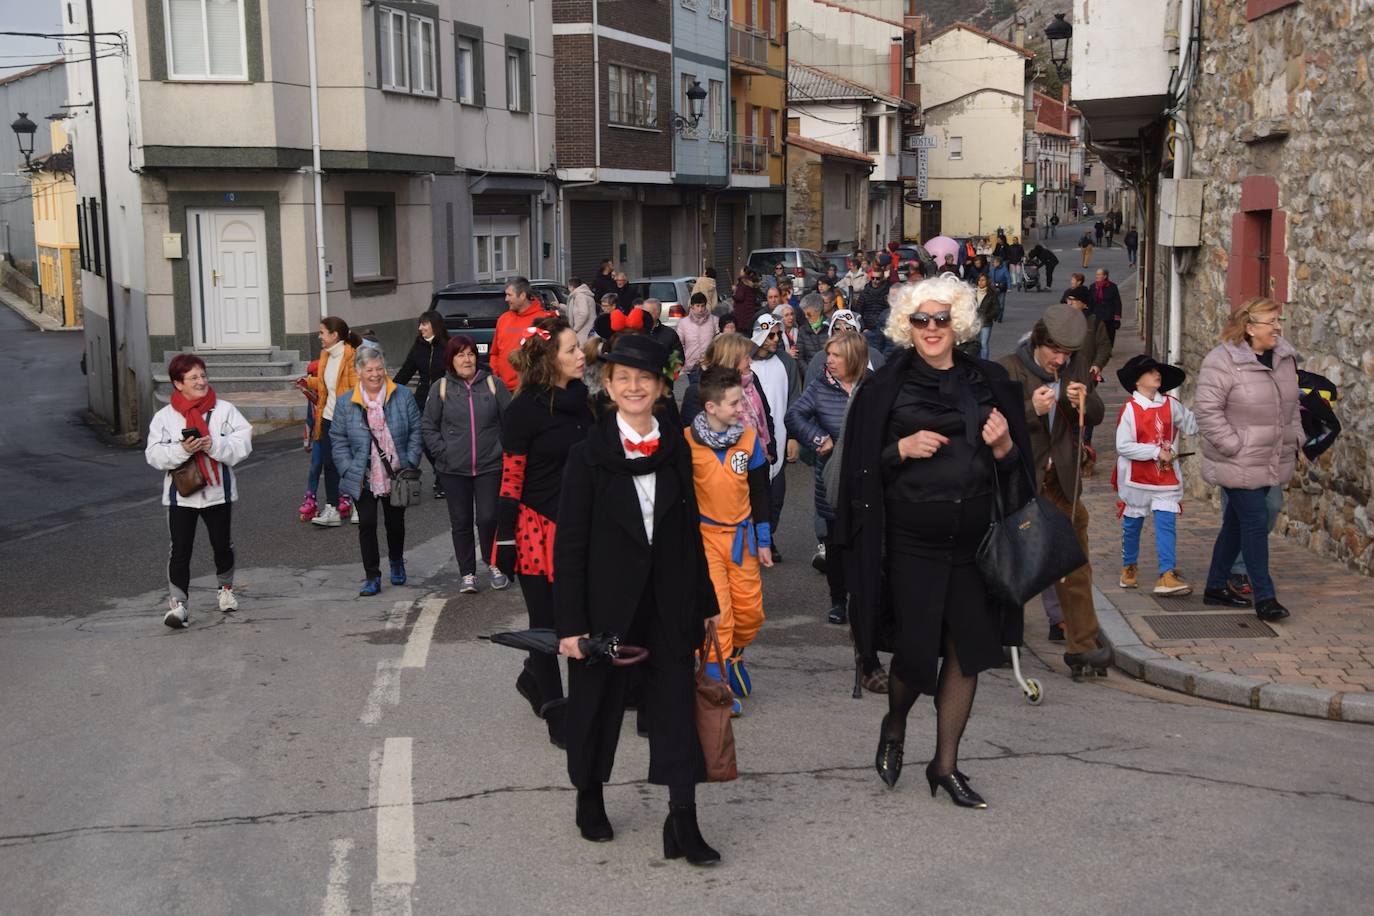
point(405, 483)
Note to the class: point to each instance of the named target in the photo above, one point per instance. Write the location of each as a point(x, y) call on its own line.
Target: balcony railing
point(749, 154)
point(748, 45)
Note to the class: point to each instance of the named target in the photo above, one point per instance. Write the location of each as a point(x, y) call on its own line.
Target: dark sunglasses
point(922, 319)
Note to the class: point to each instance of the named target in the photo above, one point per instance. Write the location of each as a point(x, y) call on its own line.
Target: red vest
point(1153, 426)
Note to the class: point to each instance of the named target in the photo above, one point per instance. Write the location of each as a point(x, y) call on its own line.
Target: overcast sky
point(28, 16)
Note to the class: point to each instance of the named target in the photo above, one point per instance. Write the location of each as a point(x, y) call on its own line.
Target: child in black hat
point(1147, 477)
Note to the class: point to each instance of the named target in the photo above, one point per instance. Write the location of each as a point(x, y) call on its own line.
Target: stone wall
point(803, 198)
point(1288, 96)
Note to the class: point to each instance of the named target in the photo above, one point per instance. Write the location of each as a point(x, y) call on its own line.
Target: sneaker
point(499, 580)
point(398, 572)
point(353, 518)
point(818, 559)
point(227, 601)
point(1128, 576)
point(469, 585)
point(328, 518)
point(1239, 585)
point(1171, 584)
point(838, 615)
point(177, 618)
point(439, 492)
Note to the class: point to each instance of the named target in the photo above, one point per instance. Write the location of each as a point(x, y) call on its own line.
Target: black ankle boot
point(554, 713)
point(591, 816)
point(956, 784)
point(528, 688)
point(888, 761)
point(682, 837)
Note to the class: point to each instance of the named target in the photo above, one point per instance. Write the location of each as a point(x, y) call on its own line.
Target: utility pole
point(117, 413)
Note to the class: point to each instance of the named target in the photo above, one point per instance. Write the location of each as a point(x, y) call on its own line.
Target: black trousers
point(366, 506)
point(834, 569)
point(1049, 275)
point(181, 525)
point(596, 708)
point(1112, 327)
point(464, 494)
point(777, 493)
point(538, 592)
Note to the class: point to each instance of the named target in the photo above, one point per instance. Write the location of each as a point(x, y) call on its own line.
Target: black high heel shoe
point(591, 816)
point(956, 784)
point(682, 837)
point(888, 761)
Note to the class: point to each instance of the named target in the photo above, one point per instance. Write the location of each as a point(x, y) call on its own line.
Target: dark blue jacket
point(351, 443)
point(819, 412)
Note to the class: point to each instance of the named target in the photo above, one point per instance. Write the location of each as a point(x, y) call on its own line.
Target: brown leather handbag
point(187, 478)
point(714, 701)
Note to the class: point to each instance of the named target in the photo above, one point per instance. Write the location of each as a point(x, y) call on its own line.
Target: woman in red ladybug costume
point(548, 416)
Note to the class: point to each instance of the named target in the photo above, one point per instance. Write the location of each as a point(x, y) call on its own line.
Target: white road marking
point(386, 691)
point(395, 831)
point(336, 894)
point(417, 647)
point(374, 772)
point(397, 616)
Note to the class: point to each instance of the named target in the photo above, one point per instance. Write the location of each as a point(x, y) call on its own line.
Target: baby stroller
point(1030, 276)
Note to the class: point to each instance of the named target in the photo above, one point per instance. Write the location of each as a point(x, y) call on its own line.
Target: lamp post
point(696, 96)
point(1059, 33)
point(24, 130)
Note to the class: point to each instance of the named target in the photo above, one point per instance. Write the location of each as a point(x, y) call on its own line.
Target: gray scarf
point(702, 431)
point(1026, 354)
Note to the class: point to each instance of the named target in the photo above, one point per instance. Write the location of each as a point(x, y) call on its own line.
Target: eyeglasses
point(923, 319)
point(1275, 322)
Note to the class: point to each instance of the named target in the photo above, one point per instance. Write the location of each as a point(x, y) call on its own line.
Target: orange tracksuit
point(732, 496)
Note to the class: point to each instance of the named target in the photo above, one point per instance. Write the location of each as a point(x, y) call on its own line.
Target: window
point(370, 222)
point(848, 190)
point(774, 141)
point(632, 96)
point(956, 147)
point(496, 247)
point(774, 24)
point(715, 108)
point(1258, 265)
point(205, 39)
point(517, 74)
point(871, 132)
point(685, 105)
point(468, 61)
point(408, 51)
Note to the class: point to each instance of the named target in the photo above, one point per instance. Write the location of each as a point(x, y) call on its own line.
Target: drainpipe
point(1181, 261)
point(116, 412)
point(538, 253)
point(596, 90)
point(315, 152)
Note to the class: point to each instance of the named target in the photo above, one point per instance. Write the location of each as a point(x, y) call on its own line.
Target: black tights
point(954, 694)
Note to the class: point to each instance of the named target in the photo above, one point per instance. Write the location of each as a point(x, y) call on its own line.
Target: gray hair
point(813, 302)
point(367, 353)
point(652, 306)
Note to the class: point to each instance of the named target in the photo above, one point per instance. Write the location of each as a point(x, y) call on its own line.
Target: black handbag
point(1026, 552)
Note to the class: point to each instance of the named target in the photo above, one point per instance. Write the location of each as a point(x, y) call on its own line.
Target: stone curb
point(29, 314)
point(1132, 656)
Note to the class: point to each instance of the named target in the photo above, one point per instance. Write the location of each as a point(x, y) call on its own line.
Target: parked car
point(803, 263)
point(472, 308)
point(675, 293)
point(838, 259)
point(913, 251)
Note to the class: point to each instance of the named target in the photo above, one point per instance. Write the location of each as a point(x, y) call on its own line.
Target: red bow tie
point(645, 448)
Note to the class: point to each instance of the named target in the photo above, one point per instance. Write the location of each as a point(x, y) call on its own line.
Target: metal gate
point(590, 228)
point(723, 252)
point(656, 236)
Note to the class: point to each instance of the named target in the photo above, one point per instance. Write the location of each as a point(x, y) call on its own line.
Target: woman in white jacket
point(198, 427)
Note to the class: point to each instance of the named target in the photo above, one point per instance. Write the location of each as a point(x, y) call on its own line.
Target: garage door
point(657, 236)
point(724, 253)
point(589, 225)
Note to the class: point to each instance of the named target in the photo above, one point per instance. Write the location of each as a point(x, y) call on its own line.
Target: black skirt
point(936, 591)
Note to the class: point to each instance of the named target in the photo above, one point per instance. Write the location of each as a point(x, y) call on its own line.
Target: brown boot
point(1171, 584)
point(1128, 576)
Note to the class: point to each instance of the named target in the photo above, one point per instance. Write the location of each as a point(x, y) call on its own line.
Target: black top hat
point(639, 351)
point(1171, 376)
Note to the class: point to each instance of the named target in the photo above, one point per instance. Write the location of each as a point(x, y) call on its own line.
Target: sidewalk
point(30, 314)
point(1318, 662)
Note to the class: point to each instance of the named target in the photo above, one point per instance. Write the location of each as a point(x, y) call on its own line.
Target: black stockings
point(953, 703)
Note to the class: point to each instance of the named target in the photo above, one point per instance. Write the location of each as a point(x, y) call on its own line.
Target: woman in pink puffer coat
point(1247, 412)
point(696, 330)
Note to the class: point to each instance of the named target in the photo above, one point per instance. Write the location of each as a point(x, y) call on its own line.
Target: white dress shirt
point(645, 484)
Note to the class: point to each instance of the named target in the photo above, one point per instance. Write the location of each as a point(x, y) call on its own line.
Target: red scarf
point(194, 412)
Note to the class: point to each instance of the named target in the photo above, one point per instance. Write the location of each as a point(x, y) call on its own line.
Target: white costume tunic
point(1137, 449)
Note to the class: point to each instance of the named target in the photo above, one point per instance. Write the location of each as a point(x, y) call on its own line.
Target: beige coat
point(1248, 417)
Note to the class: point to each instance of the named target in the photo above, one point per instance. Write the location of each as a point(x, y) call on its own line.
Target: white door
point(228, 262)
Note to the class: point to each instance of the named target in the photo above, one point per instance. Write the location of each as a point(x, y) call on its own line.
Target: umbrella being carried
point(601, 648)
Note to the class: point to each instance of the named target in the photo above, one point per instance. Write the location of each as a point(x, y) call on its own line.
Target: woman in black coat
point(630, 561)
point(929, 437)
point(426, 359)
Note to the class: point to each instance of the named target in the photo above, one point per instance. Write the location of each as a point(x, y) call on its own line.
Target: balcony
point(749, 155)
point(1122, 64)
point(748, 48)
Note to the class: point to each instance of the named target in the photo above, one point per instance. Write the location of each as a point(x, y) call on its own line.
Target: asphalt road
point(322, 753)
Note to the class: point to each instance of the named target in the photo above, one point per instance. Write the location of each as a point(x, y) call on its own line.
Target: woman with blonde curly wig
point(929, 437)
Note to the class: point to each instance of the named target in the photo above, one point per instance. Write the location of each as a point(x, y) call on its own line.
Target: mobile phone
point(189, 433)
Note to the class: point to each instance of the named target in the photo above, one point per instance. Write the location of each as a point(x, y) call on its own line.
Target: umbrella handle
point(629, 655)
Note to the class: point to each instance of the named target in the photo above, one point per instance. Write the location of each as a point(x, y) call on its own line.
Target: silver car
point(674, 292)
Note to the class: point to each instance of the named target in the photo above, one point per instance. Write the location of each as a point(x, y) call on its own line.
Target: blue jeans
point(1165, 539)
point(1273, 505)
point(985, 340)
point(877, 340)
point(1244, 529)
point(312, 479)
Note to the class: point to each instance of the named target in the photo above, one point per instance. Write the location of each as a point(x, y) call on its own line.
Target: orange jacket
point(510, 328)
point(348, 378)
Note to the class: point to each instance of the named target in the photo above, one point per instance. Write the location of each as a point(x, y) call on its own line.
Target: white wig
point(945, 288)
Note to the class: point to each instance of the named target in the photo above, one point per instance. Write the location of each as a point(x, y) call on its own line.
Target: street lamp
point(696, 95)
point(24, 129)
point(1059, 33)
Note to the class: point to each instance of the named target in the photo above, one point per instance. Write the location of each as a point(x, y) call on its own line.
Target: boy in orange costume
point(730, 473)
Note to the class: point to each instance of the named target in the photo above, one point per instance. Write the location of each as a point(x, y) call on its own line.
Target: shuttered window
point(365, 224)
point(205, 39)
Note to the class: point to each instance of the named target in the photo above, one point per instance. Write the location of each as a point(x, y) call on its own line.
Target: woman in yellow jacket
point(333, 376)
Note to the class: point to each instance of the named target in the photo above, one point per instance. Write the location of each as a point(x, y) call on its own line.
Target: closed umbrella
point(603, 647)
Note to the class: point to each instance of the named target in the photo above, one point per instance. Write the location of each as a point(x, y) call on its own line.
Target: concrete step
point(224, 382)
point(225, 357)
point(284, 368)
point(265, 408)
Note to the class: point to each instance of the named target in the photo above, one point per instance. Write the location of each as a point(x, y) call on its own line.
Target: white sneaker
point(499, 580)
point(328, 518)
point(227, 601)
point(469, 585)
point(177, 618)
point(353, 516)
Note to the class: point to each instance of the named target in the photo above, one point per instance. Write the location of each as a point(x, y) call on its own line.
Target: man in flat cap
point(1054, 374)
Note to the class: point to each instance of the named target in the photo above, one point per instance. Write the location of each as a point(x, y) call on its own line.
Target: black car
point(472, 308)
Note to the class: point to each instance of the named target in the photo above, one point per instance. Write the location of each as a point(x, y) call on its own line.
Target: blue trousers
point(1165, 539)
point(312, 479)
point(1244, 530)
point(1273, 505)
point(985, 340)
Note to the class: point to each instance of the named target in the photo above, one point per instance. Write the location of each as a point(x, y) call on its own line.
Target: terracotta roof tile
point(827, 149)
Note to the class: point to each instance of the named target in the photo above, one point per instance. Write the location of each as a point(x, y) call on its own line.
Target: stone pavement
point(43, 321)
point(1318, 662)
